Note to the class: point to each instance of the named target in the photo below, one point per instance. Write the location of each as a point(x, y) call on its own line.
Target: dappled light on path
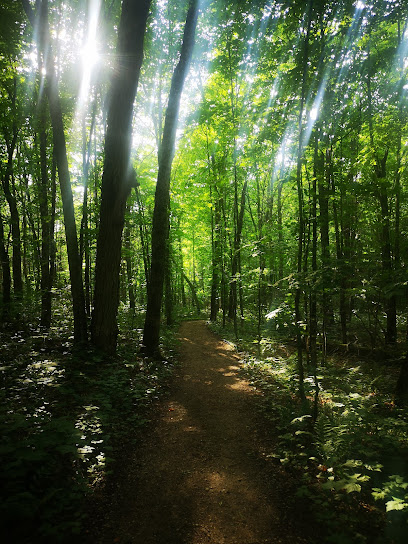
point(200, 477)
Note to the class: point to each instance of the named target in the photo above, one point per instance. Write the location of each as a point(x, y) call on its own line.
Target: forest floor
point(202, 474)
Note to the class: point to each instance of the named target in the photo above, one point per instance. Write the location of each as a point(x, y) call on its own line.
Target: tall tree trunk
point(181, 268)
point(387, 264)
point(401, 120)
point(118, 176)
point(216, 257)
point(259, 224)
point(129, 269)
point(301, 223)
point(233, 302)
point(324, 177)
point(160, 229)
point(5, 266)
point(313, 289)
point(280, 230)
point(53, 203)
point(45, 217)
point(313, 294)
point(401, 392)
point(84, 235)
point(342, 231)
point(11, 143)
point(193, 290)
point(168, 291)
point(34, 261)
point(143, 238)
point(60, 150)
point(380, 190)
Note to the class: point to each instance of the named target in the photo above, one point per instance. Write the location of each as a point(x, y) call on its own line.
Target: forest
point(241, 162)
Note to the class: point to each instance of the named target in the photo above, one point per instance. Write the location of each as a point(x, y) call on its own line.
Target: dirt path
point(200, 477)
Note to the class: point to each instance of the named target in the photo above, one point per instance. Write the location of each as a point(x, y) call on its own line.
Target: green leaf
point(353, 463)
point(378, 493)
point(396, 504)
point(352, 486)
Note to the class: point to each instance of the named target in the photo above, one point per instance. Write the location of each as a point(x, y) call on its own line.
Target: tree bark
point(280, 230)
point(160, 229)
point(129, 268)
point(118, 176)
point(216, 258)
point(11, 143)
point(387, 265)
point(401, 393)
point(45, 221)
point(233, 300)
point(380, 190)
point(301, 222)
point(84, 234)
point(194, 296)
point(60, 151)
point(168, 291)
point(5, 266)
point(143, 238)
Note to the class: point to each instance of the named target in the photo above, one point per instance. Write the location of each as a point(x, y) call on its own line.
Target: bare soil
point(202, 475)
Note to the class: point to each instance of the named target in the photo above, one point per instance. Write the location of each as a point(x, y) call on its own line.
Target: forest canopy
point(288, 176)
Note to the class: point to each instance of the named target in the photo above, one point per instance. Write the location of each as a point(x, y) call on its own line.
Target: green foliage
point(395, 490)
point(67, 419)
point(349, 455)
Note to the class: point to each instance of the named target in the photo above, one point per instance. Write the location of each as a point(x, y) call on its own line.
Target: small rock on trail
point(199, 478)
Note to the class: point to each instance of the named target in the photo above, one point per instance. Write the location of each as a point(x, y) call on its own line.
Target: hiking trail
point(202, 476)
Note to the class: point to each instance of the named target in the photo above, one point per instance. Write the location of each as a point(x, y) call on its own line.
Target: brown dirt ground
point(202, 475)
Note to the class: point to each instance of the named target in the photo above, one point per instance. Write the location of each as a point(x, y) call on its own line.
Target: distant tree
point(10, 130)
point(160, 229)
point(39, 20)
point(6, 273)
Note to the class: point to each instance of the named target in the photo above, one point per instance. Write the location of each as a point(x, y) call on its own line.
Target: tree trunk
point(118, 176)
point(401, 392)
point(233, 302)
point(60, 151)
point(194, 296)
point(313, 294)
point(53, 244)
point(32, 265)
point(280, 230)
point(129, 269)
point(380, 190)
point(301, 224)
point(180, 267)
point(5, 266)
point(387, 265)
point(324, 176)
point(45, 221)
point(11, 143)
point(143, 238)
point(84, 235)
point(216, 258)
point(342, 230)
point(168, 291)
point(160, 229)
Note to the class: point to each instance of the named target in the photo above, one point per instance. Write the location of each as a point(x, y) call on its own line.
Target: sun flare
point(89, 56)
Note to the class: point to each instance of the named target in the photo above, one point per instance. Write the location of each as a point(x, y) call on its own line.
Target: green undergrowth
point(67, 417)
point(352, 461)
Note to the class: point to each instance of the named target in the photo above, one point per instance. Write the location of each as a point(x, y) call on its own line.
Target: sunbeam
point(89, 53)
point(315, 110)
